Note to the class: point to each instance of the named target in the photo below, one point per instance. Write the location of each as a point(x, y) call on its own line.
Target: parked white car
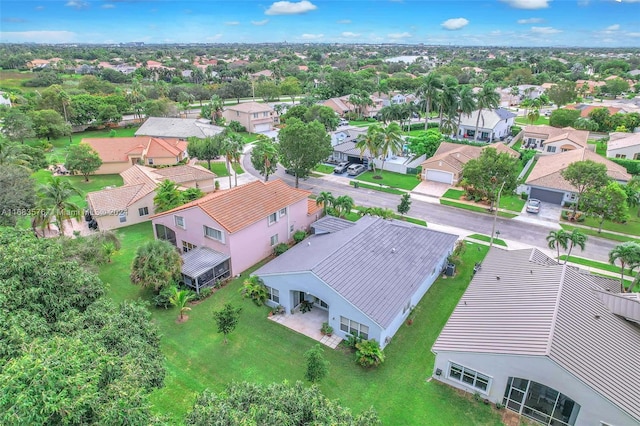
point(355, 169)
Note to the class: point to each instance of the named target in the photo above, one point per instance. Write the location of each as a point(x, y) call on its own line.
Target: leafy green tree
point(325, 199)
point(303, 146)
point(264, 157)
point(276, 403)
point(235, 89)
point(191, 194)
point(17, 194)
point(254, 288)
point(628, 255)
point(562, 93)
point(108, 114)
point(563, 117)
point(405, 204)
point(575, 239)
point(297, 111)
point(49, 124)
point(179, 299)
point(17, 126)
point(54, 202)
point(84, 159)
point(557, 239)
point(601, 117)
point(368, 353)
point(486, 98)
point(372, 143)
point(206, 149)
point(324, 115)
point(616, 86)
point(585, 175)
point(168, 196)
point(267, 90)
point(317, 366)
point(488, 172)
point(227, 319)
point(13, 154)
point(291, 86)
point(156, 264)
point(426, 144)
point(343, 205)
point(608, 202)
point(391, 142)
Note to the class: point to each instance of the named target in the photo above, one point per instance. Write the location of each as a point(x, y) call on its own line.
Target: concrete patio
point(308, 324)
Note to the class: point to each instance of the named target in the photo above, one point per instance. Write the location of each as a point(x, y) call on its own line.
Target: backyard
point(260, 350)
point(220, 168)
point(96, 183)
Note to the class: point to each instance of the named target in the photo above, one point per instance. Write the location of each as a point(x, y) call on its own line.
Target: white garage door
point(440, 176)
point(262, 128)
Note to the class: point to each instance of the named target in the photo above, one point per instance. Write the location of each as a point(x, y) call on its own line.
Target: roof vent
point(393, 250)
point(531, 271)
point(596, 316)
point(308, 243)
point(497, 277)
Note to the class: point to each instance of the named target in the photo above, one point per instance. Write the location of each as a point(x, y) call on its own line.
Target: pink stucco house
point(226, 232)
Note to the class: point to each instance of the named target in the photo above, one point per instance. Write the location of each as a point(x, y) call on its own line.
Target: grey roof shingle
point(545, 309)
point(376, 265)
point(200, 260)
point(329, 224)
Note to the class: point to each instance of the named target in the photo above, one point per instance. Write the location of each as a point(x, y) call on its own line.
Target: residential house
point(545, 182)
point(586, 109)
point(133, 202)
point(545, 340)
point(624, 145)
point(493, 125)
point(551, 140)
point(235, 228)
point(395, 98)
point(447, 163)
point(342, 106)
point(118, 154)
point(255, 117)
point(366, 275)
point(263, 74)
point(588, 87)
point(182, 128)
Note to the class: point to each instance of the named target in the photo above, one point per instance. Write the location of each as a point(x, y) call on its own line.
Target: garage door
point(262, 128)
point(547, 196)
point(439, 176)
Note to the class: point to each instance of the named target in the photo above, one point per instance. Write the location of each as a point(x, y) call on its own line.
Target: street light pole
point(495, 215)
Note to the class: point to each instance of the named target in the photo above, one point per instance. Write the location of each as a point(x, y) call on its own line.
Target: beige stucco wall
point(112, 221)
point(628, 151)
point(439, 165)
point(241, 117)
point(112, 168)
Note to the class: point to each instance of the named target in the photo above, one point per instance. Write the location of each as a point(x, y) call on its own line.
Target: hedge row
point(632, 166)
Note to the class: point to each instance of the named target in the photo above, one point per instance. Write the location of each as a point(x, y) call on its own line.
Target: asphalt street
point(529, 234)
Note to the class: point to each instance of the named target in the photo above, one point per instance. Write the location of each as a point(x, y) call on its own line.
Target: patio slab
point(308, 324)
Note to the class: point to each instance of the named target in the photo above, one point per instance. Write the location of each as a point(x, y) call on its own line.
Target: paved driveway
point(549, 215)
point(432, 189)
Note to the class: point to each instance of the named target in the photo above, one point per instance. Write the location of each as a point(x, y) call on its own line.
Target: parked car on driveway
point(533, 205)
point(343, 122)
point(341, 167)
point(355, 169)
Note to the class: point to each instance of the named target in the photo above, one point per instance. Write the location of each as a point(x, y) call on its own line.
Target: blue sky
point(588, 23)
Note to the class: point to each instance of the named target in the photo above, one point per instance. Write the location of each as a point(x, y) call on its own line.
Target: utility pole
point(495, 216)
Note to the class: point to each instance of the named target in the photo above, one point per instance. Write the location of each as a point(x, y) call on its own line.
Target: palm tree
point(253, 288)
point(466, 103)
point(391, 141)
point(168, 196)
point(326, 199)
point(232, 149)
point(447, 98)
point(427, 91)
point(377, 211)
point(11, 153)
point(372, 141)
point(264, 156)
point(533, 115)
point(628, 254)
point(217, 105)
point(557, 239)
point(179, 299)
point(487, 98)
point(407, 110)
point(575, 238)
point(54, 203)
point(343, 204)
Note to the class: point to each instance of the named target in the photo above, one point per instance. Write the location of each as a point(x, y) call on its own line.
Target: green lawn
point(391, 179)
point(601, 147)
point(453, 194)
point(324, 168)
point(96, 183)
point(507, 202)
point(599, 265)
point(473, 208)
point(248, 137)
point(603, 234)
point(220, 168)
point(526, 175)
point(260, 350)
point(516, 146)
point(377, 188)
point(631, 227)
point(522, 121)
point(486, 238)
point(361, 123)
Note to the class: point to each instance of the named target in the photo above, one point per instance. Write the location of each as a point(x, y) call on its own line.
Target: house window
point(291, 228)
point(265, 114)
point(273, 218)
point(122, 217)
point(621, 155)
point(143, 211)
point(469, 377)
point(283, 212)
point(255, 115)
point(237, 113)
point(636, 156)
point(551, 149)
point(352, 327)
point(274, 239)
point(150, 161)
point(213, 233)
point(187, 247)
point(274, 294)
point(179, 221)
point(540, 402)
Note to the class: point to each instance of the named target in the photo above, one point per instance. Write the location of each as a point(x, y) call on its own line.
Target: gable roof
point(164, 127)
point(560, 315)
point(488, 118)
point(250, 107)
point(117, 150)
point(554, 134)
point(586, 109)
point(547, 172)
point(457, 155)
point(619, 140)
point(244, 205)
point(393, 258)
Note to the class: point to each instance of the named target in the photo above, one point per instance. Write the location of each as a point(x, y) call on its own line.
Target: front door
point(299, 298)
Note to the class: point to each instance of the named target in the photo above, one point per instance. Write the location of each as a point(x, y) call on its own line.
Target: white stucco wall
point(594, 408)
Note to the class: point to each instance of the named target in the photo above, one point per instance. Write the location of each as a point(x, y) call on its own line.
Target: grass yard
point(516, 146)
point(522, 121)
point(248, 137)
point(526, 175)
point(599, 265)
point(631, 227)
point(475, 208)
point(96, 183)
point(601, 147)
point(324, 168)
point(512, 202)
point(377, 188)
point(391, 179)
point(603, 234)
point(260, 350)
point(507, 202)
point(453, 194)
point(12, 79)
point(361, 123)
point(220, 168)
point(486, 238)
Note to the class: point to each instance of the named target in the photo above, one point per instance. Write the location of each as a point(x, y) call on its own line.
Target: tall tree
point(628, 255)
point(17, 126)
point(291, 86)
point(466, 103)
point(49, 124)
point(562, 93)
point(324, 115)
point(54, 201)
point(206, 149)
point(232, 150)
point(556, 240)
point(343, 205)
point(302, 146)
point(168, 196)
point(17, 194)
point(372, 143)
point(427, 92)
point(575, 239)
point(13, 154)
point(84, 159)
point(488, 172)
point(487, 98)
point(264, 157)
point(585, 175)
point(227, 319)
point(325, 199)
point(608, 202)
point(157, 264)
point(391, 142)
point(405, 204)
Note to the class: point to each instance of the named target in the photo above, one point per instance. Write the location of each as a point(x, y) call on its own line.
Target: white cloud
point(350, 34)
point(614, 27)
point(260, 23)
point(108, 6)
point(545, 30)
point(530, 21)
point(454, 24)
point(290, 8)
point(312, 36)
point(39, 7)
point(584, 2)
point(344, 21)
point(214, 38)
point(528, 4)
point(38, 36)
point(398, 36)
point(14, 20)
point(231, 23)
point(633, 34)
point(77, 4)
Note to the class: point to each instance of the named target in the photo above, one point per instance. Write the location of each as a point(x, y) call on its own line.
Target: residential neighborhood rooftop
point(116, 150)
point(183, 128)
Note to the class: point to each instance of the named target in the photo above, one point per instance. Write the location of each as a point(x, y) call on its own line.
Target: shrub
point(499, 406)
point(326, 329)
point(352, 340)
point(280, 248)
point(161, 300)
point(204, 293)
point(368, 353)
point(237, 127)
point(632, 166)
point(317, 366)
point(515, 130)
point(299, 236)
point(524, 196)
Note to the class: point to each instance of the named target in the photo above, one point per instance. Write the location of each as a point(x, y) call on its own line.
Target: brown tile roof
point(554, 134)
point(239, 207)
point(250, 107)
point(312, 207)
point(107, 201)
point(547, 172)
point(137, 175)
point(179, 174)
point(457, 155)
point(586, 109)
point(115, 150)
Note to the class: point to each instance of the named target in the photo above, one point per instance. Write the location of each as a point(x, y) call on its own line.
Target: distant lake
point(406, 59)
